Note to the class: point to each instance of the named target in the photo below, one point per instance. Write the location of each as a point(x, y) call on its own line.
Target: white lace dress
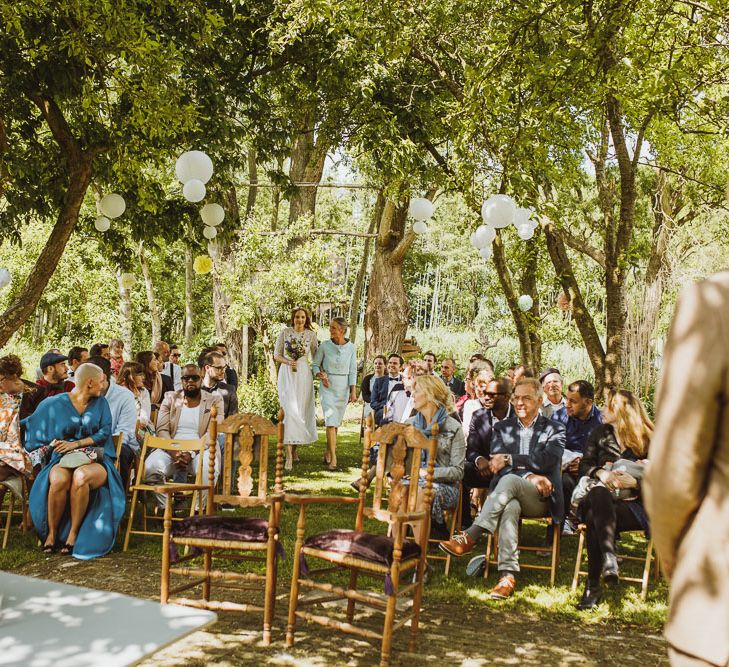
point(296, 388)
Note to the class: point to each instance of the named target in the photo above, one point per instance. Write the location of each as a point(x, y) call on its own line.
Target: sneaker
point(459, 545)
point(476, 566)
point(505, 588)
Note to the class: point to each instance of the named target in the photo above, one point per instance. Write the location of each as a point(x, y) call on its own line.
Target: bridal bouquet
point(295, 349)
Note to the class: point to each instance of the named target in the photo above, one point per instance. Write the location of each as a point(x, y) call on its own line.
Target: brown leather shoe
point(459, 545)
point(505, 588)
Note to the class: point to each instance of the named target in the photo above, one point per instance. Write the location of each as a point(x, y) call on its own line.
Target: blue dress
point(339, 362)
point(57, 418)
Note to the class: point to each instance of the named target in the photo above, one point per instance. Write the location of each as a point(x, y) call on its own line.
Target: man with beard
point(183, 415)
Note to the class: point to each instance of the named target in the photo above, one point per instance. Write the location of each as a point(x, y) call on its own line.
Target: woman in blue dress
point(80, 420)
point(335, 364)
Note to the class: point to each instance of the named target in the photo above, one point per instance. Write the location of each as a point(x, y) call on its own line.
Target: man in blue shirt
point(579, 415)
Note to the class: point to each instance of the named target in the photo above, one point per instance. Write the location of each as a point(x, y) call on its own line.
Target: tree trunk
point(276, 200)
point(253, 180)
point(189, 278)
point(151, 300)
point(359, 283)
point(125, 316)
point(386, 316)
point(307, 165)
point(27, 299)
point(529, 286)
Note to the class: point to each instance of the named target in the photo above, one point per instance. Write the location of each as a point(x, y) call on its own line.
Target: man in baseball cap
point(55, 373)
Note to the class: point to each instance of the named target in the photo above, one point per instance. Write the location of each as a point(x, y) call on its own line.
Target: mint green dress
point(339, 362)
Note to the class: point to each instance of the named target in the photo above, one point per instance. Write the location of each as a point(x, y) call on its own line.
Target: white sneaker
point(476, 566)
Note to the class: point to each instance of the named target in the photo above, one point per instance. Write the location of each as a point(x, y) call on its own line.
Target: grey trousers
point(512, 498)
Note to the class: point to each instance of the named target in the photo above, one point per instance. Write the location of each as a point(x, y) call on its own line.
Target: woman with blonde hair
point(613, 460)
point(295, 345)
point(433, 402)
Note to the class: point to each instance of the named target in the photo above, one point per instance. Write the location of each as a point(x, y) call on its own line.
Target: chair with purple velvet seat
point(230, 537)
point(374, 555)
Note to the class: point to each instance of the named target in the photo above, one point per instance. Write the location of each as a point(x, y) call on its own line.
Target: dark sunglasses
point(494, 394)
point(175, 354)
point(190, 378)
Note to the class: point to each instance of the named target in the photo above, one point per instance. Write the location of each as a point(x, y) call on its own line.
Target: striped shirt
point(525, 436)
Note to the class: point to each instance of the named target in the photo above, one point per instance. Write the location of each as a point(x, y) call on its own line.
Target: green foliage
point(259, 396)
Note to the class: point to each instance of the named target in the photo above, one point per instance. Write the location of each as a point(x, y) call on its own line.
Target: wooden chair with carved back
point(387, 555)
point(12, 490)
point(230, 537)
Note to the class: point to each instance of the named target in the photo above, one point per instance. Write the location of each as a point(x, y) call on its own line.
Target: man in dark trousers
point(477, 473)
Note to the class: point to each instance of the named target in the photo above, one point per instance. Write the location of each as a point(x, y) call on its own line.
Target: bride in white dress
point(295, 346)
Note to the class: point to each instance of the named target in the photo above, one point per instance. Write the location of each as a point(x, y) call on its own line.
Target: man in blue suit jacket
point(384, 385)
point(526, 457)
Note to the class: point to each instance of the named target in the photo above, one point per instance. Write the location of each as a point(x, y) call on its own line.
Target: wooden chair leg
point(492, 547)
point(578, 560)
point(646, 570)
point(352, 587)
point(417, 601)
point(270, 592)
point(164, 593)
point(294, 594)
point(207, 566)
point(390, 611)
point(556, 535)
point(130, 520)
point(8, 521)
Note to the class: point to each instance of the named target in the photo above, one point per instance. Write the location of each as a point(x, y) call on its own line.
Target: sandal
point(67, 549)
point(48, 549)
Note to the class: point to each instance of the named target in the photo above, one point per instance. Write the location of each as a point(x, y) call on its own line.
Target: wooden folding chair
point(643, 580)
point(8, 502)
point(169, 445)
point(118, 439)
point(233, 538)
point(492, 550)
point(374, 555)
point(454, 515)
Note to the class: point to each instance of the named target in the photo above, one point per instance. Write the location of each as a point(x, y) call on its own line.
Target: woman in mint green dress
point(335, 364)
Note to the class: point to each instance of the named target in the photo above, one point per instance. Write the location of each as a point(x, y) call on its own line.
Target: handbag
point(82, 457)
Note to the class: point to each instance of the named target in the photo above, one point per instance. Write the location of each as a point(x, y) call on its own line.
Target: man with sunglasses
point(495, 398)
point(183, 415)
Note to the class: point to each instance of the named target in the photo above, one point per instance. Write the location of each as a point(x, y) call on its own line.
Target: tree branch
point(581, 245)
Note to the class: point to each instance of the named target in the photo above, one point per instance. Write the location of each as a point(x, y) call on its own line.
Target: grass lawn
point(460, 624)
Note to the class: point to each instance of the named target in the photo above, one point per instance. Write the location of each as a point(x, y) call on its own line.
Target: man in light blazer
point(686, 487)
point(184, 415)
point(526, 458)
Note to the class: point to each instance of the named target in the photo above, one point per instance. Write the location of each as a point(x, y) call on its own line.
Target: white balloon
point(212, 214)
point(421, 208)
point(210, 232)
point(113, 205)
point(485, 235)
point(194, 166)
point(525, 302)
point(498, 211)
point(485, 253)
point(525, 231)
point(194, 190)
point(128, 280)
point(102, 223)
point(522, 216)
point(5, 278)
point(420, 227)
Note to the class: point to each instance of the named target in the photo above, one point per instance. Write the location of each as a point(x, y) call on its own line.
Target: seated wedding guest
point(55, 374)
point(77, 499)
point(526, 455)
point(171, 367)
point(553, 398)
point(132, 377)
point(447, 374)
point(214, 372)
point(76, 356)
point(100, 350)
point(433, 403)
point(116, 355)
point(14, 460)
point(496, 401)
point(156, 384)
point(383, 387)
point(183, 415)
point(475, 366)
point(365, 389)
point(231, 376)
point(480, 382)
point(614, 457)
point(123, 417)
point(580, 416)
point(430, 359)
point(522, 371)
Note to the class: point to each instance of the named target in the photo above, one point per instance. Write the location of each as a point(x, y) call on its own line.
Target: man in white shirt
point(554, 399)
point(183, 415)
point(170, 355)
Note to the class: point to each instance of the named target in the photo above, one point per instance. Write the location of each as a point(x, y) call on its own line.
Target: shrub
point(259, 396)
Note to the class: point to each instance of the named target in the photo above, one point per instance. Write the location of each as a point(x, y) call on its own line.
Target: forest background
point(323, 119)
